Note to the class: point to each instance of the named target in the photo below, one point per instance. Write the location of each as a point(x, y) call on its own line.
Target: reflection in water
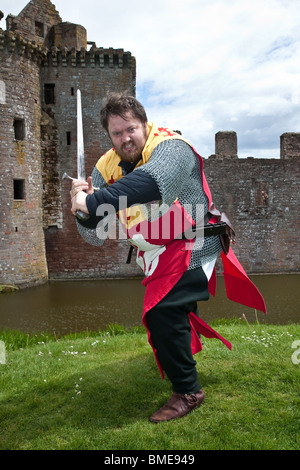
point(72, 306)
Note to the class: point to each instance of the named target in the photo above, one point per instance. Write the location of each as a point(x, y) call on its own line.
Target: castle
point(43, 61)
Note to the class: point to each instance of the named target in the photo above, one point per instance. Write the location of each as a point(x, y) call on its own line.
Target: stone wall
point(34, 21)
point(43, 62)
point(261, 198)
point(22, 247)
point(94, 72)
point(290, 145)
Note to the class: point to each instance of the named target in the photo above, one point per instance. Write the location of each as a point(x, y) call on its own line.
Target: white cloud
point(205, 65)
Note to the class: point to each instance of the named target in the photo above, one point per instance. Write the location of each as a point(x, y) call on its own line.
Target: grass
point(96, 391)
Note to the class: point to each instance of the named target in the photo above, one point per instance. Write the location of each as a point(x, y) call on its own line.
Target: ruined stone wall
point(94, 72)
point(34, 21)
point(290, 145)
point(38, 234)
point(22, 248)
point(261, 198)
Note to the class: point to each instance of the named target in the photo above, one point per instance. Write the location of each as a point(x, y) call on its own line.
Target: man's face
point(128, 136)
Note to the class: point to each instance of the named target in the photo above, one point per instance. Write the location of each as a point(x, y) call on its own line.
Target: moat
point(71, 306)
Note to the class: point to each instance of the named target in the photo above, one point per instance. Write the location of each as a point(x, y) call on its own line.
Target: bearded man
point(154, 167)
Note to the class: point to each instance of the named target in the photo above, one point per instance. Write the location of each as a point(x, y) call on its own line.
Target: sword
point(80, 146)
point(80, 152)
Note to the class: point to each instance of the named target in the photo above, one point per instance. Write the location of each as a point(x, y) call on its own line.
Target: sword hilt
point(82, 215)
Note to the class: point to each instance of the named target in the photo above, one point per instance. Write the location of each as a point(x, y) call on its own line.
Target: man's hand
point(80, 190)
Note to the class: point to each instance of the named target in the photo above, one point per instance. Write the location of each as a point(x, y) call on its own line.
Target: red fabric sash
point(239, 287)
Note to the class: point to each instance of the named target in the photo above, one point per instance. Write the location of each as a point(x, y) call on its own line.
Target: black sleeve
point(138, 186)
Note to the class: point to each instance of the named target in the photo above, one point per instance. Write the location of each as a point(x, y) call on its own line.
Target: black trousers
point(170, 330)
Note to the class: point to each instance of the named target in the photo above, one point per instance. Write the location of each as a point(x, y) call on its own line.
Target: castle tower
point(43, 61)
point(22, 244)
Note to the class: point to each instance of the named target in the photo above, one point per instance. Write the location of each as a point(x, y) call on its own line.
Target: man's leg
point(171, 336)
point(170, 330)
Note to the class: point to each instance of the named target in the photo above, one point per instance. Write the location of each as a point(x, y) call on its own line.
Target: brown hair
point(118, 104)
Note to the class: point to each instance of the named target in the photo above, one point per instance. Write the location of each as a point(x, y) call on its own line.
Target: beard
point(131, 155)
point(132, 151)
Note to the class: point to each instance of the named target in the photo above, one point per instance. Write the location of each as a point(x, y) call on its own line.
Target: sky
point(204, 66)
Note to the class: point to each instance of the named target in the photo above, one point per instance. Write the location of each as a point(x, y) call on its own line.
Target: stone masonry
point(22, 243)
point(261, 198)
point(43, 61)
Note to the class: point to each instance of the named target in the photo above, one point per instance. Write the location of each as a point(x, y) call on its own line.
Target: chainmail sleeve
point(89, 234)
point(170, 165)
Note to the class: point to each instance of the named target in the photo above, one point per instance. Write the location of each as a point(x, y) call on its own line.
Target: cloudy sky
point(204, 65)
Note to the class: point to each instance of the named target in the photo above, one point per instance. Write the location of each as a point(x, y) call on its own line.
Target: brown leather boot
point(178, 406)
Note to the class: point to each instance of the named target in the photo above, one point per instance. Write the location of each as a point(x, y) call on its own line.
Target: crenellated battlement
point(62, 56)
point(95, 57)
point(16, 44)
point(226, 145)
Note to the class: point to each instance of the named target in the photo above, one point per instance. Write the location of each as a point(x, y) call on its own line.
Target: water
point(71, 306)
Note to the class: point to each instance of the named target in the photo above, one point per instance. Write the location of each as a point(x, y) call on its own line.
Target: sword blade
point(80, 144)
point(80, 151)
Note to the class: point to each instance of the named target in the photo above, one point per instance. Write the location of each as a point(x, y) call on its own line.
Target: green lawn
point(97, 391)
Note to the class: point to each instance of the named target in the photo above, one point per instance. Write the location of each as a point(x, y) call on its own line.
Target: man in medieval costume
point(160, 177)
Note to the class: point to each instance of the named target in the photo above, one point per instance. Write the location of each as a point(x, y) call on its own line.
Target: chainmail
point(184, 182)
point(90, 235)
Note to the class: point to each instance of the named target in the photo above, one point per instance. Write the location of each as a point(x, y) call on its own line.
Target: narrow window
point(19, 189)
point(261, 194)
point(68, 138)
point(19, 128)
point(72, 91)
point(39, 29)
point(49, 94)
